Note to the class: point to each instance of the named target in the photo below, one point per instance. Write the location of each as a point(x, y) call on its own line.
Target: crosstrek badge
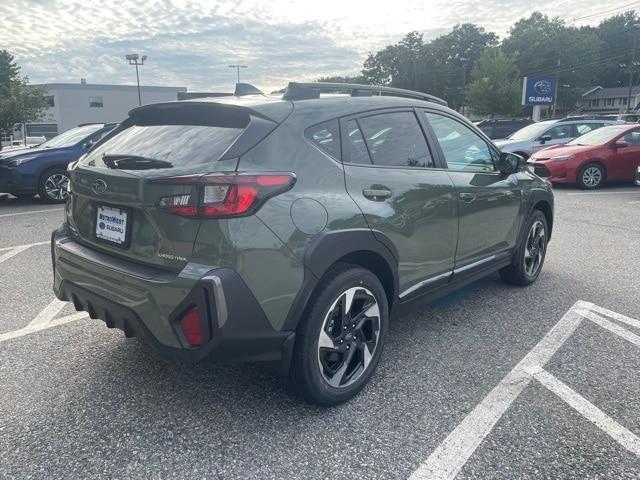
point(111, 224)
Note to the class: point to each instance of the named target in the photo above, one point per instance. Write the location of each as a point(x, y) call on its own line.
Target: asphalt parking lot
point(491, 382)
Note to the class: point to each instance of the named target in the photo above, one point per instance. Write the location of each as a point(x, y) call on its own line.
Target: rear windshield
point(175, 145)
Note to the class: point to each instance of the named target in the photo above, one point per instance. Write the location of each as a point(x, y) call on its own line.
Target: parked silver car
point(530, 139)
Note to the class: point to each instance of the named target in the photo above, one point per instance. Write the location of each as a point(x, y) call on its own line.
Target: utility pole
point(133, 60)
point(238, 67)
point(464, 84)
point(632, 65)
point(555, 94)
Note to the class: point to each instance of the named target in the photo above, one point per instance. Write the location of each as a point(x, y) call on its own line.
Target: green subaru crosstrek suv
point(289, 229)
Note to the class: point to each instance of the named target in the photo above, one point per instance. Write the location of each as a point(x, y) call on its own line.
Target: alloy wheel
point(535, 248)
point(591, 177)
point(55, 186)
point(349, 337)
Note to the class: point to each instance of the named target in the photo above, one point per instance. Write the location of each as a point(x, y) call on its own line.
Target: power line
point(573, 67)
point(605, 12)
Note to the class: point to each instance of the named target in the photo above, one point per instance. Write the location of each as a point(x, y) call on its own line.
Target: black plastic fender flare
point(328, 248)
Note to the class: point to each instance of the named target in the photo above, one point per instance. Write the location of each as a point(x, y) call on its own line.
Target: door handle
point(467, 197)
point(376, 194)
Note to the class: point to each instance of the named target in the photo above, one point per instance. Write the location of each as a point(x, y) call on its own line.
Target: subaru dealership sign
point(538, 91)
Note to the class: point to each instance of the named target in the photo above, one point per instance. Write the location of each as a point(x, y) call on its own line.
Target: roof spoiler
point(306, 91)
point(246, 89)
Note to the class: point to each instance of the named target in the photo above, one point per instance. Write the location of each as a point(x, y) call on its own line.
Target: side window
point(356, 150)
point(463, 149)
point(559, 132)
point(633, 138)
point(326, 136)
point(582, 128)
point(396, 139)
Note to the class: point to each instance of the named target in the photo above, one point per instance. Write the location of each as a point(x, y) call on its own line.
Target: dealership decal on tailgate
point(111, 224)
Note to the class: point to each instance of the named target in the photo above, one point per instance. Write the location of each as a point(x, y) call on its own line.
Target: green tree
point(19, 103)
point(437, 67)
point(343, 79)
point(616, 37)
point(495, 84)
point(548, 47)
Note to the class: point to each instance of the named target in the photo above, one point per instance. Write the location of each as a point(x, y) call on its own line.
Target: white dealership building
point(73, 104)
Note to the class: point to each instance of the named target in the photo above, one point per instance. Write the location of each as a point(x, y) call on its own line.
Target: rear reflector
point(190, 325)
point(224, 196)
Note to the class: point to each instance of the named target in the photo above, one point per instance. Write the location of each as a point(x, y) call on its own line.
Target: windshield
point(529, 132)
point(598, 137)
point(71, 137)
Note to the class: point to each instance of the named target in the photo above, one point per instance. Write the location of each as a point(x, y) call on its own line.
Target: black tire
point(314, 366)
point(591, 176)
point(51, 187)
point(520, 272)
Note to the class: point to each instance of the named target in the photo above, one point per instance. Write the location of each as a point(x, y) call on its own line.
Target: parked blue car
point(43, 169)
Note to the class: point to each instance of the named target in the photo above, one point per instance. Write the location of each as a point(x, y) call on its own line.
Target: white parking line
point(15, 250)
point(45, 319)
point(630, 192)
point(612, 327)
point(451, 455)
point(31, 212)
point(588, 410)
point(446, 461)
point(616, 316)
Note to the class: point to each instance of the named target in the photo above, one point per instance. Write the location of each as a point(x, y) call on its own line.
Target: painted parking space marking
point(30, 212)
point(446, 461)
point(588, 410)
point(11, 252)
point(44, 320)
point(624, 192)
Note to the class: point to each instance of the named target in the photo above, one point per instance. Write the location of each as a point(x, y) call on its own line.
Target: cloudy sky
point(191, 42)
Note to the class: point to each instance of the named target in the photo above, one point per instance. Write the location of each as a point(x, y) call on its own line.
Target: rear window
point(178, 145)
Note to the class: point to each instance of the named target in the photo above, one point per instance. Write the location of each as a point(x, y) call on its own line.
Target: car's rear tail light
point(224, 196)
point(191, 327)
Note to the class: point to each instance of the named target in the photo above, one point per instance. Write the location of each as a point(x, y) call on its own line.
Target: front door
point(624, 161)
point(390, 173)
point(488, 202)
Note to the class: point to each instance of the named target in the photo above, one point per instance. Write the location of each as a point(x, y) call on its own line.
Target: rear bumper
point(148, 303)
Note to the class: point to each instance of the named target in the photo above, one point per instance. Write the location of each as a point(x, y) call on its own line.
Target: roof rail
point(246, 89)
point(306, 91)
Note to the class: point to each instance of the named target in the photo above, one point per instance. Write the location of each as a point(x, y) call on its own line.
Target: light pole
point(135, 59)
point(238, 67)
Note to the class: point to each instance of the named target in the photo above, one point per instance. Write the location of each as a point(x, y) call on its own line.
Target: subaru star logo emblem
point(99, 187)
point(542, 87)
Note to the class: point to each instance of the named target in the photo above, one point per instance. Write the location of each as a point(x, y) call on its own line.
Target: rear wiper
point(133, 162)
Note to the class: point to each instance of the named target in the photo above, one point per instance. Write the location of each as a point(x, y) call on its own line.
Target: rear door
point(391, 174)
point(488, 203)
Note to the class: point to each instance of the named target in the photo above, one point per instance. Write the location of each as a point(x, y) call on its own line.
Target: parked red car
point(608, 153)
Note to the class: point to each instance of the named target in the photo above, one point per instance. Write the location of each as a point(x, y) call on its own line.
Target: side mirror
point(621, 144)
point(544, 139)
point(509, 163)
